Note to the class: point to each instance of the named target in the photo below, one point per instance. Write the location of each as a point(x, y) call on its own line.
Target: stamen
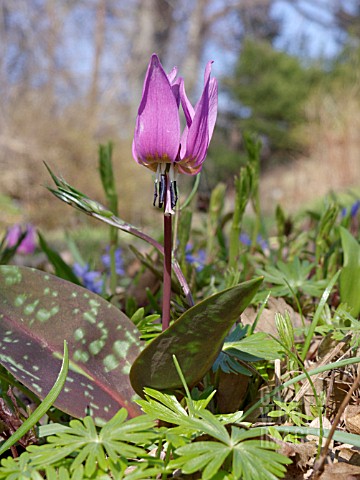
point(173, 188)
point(155, 191)
point(173, 194)
point(162, 190)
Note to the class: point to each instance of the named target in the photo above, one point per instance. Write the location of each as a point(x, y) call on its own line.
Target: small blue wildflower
point(91, 279)
point(245, 239)
point(263, 244)
point(119, 262)
point(198, 260)
point(354, 209)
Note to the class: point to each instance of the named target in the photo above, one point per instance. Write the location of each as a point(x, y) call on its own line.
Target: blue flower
point(198, 260)
point(91, 279)
point(263, 244)
point(245, 239)
point(354, 209)
point(119, 262)
point(260, 241)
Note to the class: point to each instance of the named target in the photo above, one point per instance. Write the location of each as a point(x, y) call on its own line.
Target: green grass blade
point(43, 407)
point(339, 436)
point(299, 378)
point(318, 312)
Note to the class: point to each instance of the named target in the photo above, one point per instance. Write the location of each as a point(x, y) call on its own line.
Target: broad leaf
point(195, 339)
point(350, 274)
point(38, 312)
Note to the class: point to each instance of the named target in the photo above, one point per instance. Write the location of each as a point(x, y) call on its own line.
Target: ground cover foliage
point(256, 378)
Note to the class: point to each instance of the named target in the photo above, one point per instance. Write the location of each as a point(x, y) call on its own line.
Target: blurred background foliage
point(71, 74)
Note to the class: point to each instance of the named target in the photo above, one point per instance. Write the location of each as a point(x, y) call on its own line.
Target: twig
point(319, 465)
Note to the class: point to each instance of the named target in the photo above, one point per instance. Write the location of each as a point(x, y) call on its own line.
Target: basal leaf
point(350, 274)
point(38, 312)
point(195, 339)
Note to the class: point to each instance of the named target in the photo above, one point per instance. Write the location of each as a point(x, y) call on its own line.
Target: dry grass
point(333, 163)
point(33, 134)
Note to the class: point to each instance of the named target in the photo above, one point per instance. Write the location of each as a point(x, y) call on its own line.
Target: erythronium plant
point(159, 145)
point(107, 359)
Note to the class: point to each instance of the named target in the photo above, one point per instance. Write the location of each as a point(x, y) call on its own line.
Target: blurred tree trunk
point(99, 39)
point(152, 26)
point(51, 45)
point(197, 30)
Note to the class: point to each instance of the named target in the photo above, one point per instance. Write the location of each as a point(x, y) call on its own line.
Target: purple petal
point(183, 142)
point(28, 244)
point(172, 75)
point(175, 87)
point(157, 131)
point(197, 137)
point(13, 235)
point(213, 98)
point(213, 105)
point(189, 111)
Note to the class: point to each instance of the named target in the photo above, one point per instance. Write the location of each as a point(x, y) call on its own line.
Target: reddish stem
point(167, 260)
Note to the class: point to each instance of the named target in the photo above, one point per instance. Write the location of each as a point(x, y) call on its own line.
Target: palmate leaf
point(195, 339)
point(246, 456)
point(38, 312)
point(118, 440)
point(293, 277)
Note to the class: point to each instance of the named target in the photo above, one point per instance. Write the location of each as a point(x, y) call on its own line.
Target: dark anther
point(162, 190)
point(173, 194)
point(155, 192)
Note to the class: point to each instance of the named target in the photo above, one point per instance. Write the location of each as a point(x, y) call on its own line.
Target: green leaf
point(294, 276)
point(117, 440)
point(259, 345)
point(250, 459)
point(207, 457)
point(62, 269)
point(19, 468)
point(107, 175)
point(163, 406)
point(38, 312)
point(195, 339)
point(350, 274)
point(256, 460)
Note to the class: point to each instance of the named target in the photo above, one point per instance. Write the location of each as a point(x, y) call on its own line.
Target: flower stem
point(167, 259)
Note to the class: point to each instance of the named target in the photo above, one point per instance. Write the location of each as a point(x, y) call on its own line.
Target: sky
point(300, 33)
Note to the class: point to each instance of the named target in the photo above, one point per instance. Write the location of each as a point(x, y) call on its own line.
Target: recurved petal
point(134, 154)
point(172, 75)
point(197, 135)
point(175, 87)
point(188, 109)
point(157, 130)
point(213, 105)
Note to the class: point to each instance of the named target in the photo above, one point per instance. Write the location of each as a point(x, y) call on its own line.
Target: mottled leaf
point(38, 312)
point(195, 339)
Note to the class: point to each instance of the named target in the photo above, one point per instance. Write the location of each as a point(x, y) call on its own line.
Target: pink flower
point(28, 244)
point(157, 139)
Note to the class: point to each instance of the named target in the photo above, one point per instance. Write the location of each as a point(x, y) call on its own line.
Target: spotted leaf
point(195, 339)
point(38, 312)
